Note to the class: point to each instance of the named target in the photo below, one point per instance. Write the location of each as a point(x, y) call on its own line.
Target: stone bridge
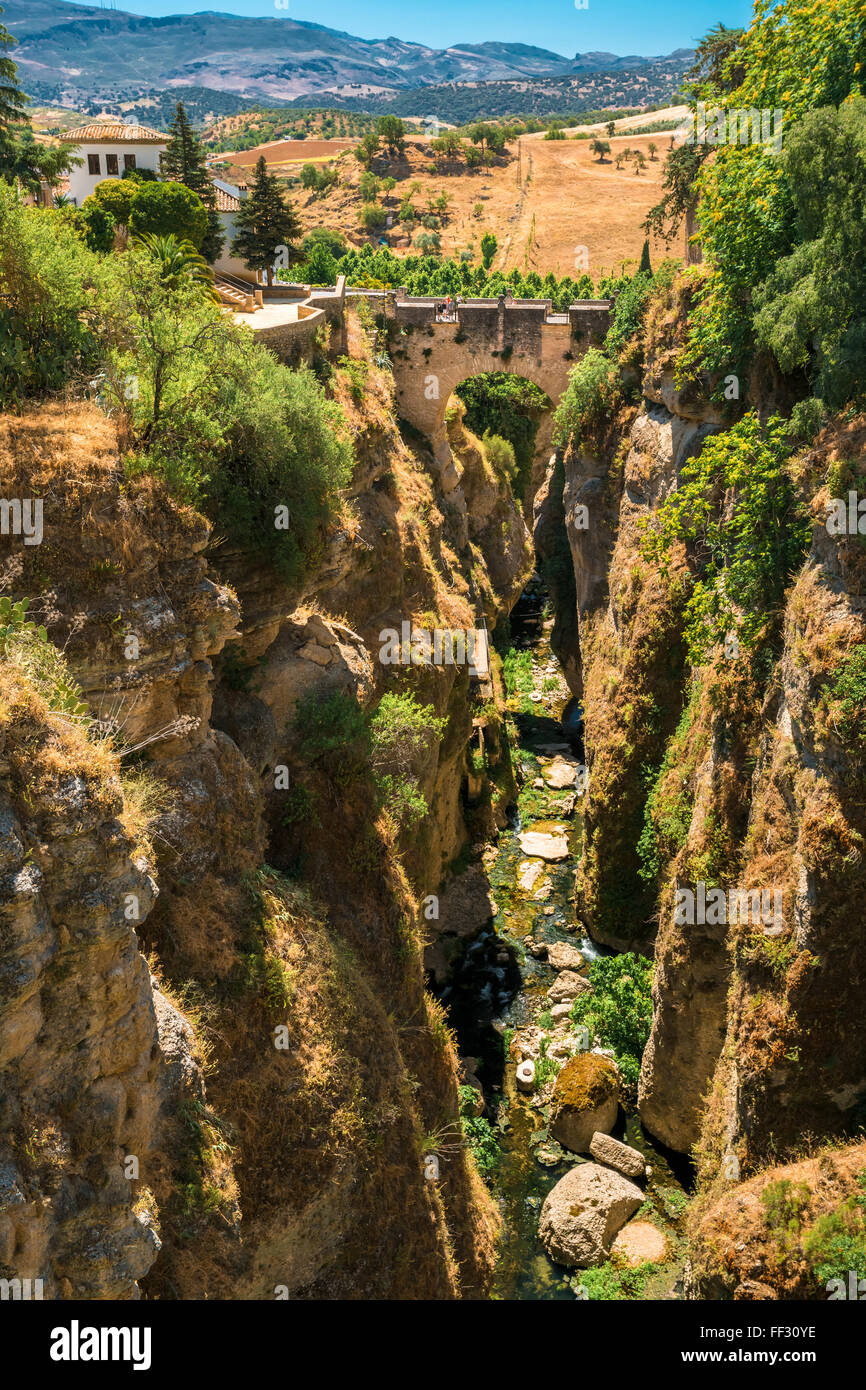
point(431, 355)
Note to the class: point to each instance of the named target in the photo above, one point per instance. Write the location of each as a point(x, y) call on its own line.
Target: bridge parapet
point(502, 318)
point(590, 318)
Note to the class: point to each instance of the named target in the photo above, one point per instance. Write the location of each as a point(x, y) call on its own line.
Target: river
point(499, 986)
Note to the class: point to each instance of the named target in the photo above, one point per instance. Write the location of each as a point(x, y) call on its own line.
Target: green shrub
point(500, 454)
point(26, 646)
point(46, 289)
point(229, 427)
point(300, 807)
point(334, 735)
point(479, 1134)
point(619, 1009)
point(836, 1244)
point(373, 217)
point(609, 1283)
point(782, 233)
point(784, 1205)
point(403, 735)
point(593, 392)
point(517, 674)
point(847, 693)
point(357, 371)
point(737, 508)
point(166, 209)
point(510, 408)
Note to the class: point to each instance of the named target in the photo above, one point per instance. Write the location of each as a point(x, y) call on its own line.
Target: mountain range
point(71, 52)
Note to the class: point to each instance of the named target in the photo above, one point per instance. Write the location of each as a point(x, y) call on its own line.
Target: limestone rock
point(640, 1241)
point(561, 772)
point(585, 1101)
point(76, 1021)
point(566, 987)
point(527, 875)
point(182, 1074)
point(552, 847)
point(312, 653)
point(622, 1157)
point(562, 956)
point(525, 1076)
point(583, 1213)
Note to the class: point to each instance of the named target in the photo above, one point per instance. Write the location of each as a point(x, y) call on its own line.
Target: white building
point(106, 149)
point(228, 200)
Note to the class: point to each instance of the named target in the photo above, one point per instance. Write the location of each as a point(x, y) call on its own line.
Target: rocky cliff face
point(794, 1054)
point(629, 620)
point(276, 1068)
point(737, 774)
point(81, 1074)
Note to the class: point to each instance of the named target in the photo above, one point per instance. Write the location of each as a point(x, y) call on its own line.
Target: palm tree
point(179, 260)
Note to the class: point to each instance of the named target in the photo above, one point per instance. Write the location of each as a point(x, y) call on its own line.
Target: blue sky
point(617, 26)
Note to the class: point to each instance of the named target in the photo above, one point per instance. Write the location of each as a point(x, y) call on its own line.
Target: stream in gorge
point(499, 987)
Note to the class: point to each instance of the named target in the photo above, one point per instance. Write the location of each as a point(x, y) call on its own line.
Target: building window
point(111, 164)
point(129, 161)
point(93, 164)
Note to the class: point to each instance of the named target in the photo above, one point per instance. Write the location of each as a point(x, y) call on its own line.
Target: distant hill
point(654, 84)
point(79, 54)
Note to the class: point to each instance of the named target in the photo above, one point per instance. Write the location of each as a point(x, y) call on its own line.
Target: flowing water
point(499, 986)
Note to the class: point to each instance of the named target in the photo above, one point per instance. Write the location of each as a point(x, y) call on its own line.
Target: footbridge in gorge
point(434, 351)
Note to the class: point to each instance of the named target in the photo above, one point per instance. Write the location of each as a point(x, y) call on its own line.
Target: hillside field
point(544, 201)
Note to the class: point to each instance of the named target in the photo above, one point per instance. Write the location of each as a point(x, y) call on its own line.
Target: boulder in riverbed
point(562, 956)
point(542, 845)
point(566, 987)
point(528, 874)
point(585, 1101)
point(526, 1076)
point(583, 1212)
point(561, 772)
point(640, 1241)
point(622, 1157)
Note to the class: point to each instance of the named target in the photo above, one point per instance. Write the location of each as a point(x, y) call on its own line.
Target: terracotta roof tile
point(226, 202)
point(114, 132)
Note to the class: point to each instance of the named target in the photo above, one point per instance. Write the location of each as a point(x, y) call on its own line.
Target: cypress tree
point(266, 224)
point(184, 161)
point(645, 259)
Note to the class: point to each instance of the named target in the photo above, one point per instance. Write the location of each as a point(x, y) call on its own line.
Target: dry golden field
point(545, 203)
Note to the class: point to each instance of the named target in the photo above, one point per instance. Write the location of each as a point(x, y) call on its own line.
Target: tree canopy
point(184, 161)
point(266, 227)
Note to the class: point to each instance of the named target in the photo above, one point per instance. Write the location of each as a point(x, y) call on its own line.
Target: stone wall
point(431, 357)
point(292, 341)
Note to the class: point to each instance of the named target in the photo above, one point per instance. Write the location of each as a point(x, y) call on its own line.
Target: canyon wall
point(275, 1066)
point(738, 774)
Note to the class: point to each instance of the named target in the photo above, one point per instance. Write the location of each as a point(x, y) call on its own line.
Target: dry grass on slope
point(785, 1232)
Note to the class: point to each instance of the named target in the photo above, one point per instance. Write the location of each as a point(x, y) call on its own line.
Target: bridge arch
point(433, 353)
